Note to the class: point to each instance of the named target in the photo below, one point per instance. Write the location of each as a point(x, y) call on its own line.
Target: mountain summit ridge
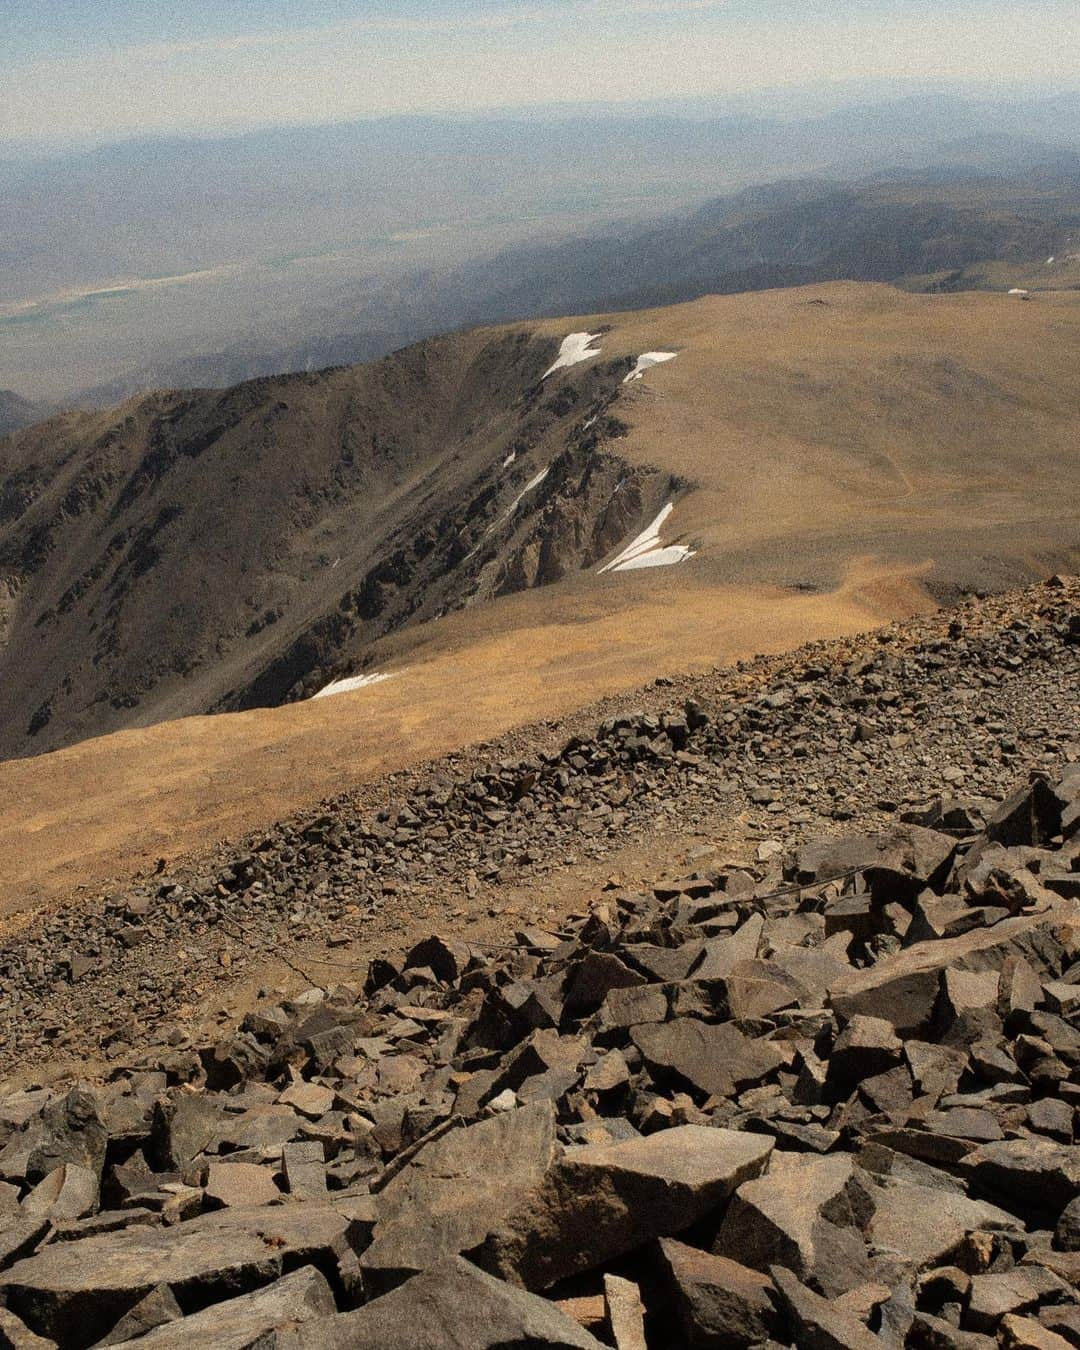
point(222, 550)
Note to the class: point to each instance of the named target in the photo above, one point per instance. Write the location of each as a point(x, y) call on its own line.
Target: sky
point(75, 70)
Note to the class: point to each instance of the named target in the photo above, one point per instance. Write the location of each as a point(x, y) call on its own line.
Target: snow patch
point(646, 549)
point(574, 350)
point(353, 682)
point(660, 557)
point(509, 459)
point(532, 483)
point(529, 486)
point(646, 361)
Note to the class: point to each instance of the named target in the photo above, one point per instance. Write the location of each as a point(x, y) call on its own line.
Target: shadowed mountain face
point(196, 551)
point(792, 234)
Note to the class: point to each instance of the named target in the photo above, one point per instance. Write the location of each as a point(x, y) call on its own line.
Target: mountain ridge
point(377, 498)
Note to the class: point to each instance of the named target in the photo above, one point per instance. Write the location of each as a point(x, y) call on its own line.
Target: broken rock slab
point(453, 1306)
point(786, 1217)
point(903, 989)
point(817, 1323)
point(449, 1197)
point(239, 1185)
point(1032, 1177)
point(68, 1192)
point(16, 1335)
point(75, 1292)
point(155, 1310)
point(721, 1305)
point(625, 1313)
point(718, 1060)
point(601, 1202)
point(239, 1323)
point(924, 1225)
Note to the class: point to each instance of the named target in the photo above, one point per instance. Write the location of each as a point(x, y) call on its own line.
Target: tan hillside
point(836, 456)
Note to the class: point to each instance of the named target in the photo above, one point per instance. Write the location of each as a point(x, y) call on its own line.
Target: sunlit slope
point(832, 458)
point(824, 423)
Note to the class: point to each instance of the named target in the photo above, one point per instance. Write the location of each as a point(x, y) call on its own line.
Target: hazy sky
point(88, 68)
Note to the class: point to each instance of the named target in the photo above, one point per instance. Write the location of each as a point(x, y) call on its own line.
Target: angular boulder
point(76, 1291)
point(239, 1323)
point(903, 989)
point(451, 1195)
point(718, 1060)
point(1032, 1177)
point(721, 1305)
point(924, 1225)
point(453, 1306)
point(602, 1201)
point(786, 1217)
point(817, 1323)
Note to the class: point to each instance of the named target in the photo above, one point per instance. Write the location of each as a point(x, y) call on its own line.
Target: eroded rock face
point(789, 1104)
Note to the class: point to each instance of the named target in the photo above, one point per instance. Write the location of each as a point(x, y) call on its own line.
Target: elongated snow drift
point(575, 349)
point(646, 361)
point(647, 551)
point(347, 686)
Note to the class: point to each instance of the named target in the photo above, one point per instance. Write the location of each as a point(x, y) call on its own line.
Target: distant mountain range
point(169, 261)
point(924, 234)
point(16, 412)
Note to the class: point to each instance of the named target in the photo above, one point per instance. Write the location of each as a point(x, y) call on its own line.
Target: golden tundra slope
point(851, 452)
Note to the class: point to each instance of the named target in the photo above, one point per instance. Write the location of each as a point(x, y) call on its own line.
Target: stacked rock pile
point(830, 1101)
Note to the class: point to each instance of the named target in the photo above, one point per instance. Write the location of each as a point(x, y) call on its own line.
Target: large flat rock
point(240, 1322)
point(924, 1224)
point(716, 1059)
point(602, 1201)
point(451, 1195)
point(75, 1292)
point(453, 1306)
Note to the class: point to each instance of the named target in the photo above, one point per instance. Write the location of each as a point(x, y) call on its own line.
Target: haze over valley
point(172, 261)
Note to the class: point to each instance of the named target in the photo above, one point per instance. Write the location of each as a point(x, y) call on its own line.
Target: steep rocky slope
point(814, 1085)
point(212, 550)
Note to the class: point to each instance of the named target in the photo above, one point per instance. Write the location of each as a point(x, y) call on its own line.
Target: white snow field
point(646, 361)
point(574, 350)
point(647, 551)
point(660, 557)
point(353, 682)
